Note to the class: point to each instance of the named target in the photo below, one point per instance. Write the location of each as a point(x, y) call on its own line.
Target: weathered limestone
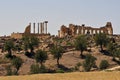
point(46, 26)
point(41, 28)
point(34, 28)
point(28, 29)
point(76, 30)
point(38, 28)
point(58, 32)
point(41, 31)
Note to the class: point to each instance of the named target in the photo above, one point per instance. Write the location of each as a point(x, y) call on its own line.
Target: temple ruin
point(41, 30)
point(77, 30)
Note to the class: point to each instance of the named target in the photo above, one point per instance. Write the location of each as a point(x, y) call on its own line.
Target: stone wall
point(16, 35)
point(77, 29)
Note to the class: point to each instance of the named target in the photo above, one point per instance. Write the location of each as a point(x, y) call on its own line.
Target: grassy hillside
point(68, 76)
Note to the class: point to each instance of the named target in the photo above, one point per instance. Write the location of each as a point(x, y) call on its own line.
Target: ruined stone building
point(41, 31)
point(77, 30)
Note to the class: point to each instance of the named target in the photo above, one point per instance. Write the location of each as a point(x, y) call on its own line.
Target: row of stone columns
point(91, 31)
point(42, 27)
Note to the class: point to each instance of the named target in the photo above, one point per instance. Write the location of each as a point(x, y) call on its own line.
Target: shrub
point(8, 56)
point(17, 62)
point(60, 71)
point(43, 69)
point(28, 54)
point(8, 71)
point(103, 64)
point(34, 69)
point(77, 66)
point(89, 62)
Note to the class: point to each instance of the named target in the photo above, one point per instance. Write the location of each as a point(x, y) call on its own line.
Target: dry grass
point(68, 76)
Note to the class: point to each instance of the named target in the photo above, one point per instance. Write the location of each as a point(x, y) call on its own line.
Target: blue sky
point(15, 15)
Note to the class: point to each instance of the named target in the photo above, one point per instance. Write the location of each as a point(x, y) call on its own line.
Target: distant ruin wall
point(16, 35)
point(76, 30)
point(28, 29)
point(27, 32)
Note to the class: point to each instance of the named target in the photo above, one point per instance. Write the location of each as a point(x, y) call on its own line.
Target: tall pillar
point(30, 24)
point(34, 28)
point(58, 33)
point(92, 31)
point(46, 26)
point(41, 28)
point(95, 31)
point(38, 28)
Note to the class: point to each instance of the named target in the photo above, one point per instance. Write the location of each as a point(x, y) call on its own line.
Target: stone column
point(83, 31)
point(38, 28)
point(95, 31)
point(58, 33)
point(30, 24)
point(92, 31)
point(46, 26)
point(41, 28)
point(34, 28)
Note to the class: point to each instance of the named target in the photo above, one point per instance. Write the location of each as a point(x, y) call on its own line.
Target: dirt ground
point(68, 76)
point(69, 60)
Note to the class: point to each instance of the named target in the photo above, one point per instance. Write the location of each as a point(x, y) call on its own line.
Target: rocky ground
point(69, 60)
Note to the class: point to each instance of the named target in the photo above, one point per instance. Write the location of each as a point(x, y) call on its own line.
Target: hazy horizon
point(17, 14)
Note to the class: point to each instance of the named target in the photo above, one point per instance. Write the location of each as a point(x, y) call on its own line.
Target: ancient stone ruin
point(77, 30)
point(41, 31)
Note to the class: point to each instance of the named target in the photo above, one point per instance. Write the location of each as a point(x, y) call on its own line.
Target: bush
point(17, 62)
point(77, 66)
point(28, 54)
point(8, 71)
point(103, 64)
point(8, 55)
point(34, 69)
point(43, 69)
point(89, 62)
point(60, 71)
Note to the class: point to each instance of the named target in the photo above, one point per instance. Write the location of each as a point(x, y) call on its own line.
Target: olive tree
point(81, 44)
point(57, 52)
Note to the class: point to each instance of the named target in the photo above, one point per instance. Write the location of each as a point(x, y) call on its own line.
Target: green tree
point(9, 45)
point(57, 52)
point(17, 62)
point(117, 53)
point(111, 47)
point(30, 42)
point(101, 39)
point(41, 56)
point(81, 44)
point(103, 64)
point(89, 62)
